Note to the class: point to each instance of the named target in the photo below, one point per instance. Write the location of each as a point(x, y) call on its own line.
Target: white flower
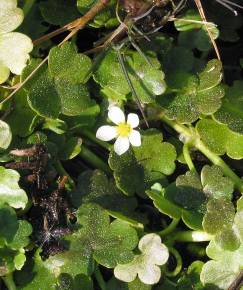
point(124, 131)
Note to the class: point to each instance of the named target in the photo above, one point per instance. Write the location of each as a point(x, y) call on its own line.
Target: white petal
point(106, 133)
point(135, 138)
point(121, 145)
point(133, 120)
point(116, 115)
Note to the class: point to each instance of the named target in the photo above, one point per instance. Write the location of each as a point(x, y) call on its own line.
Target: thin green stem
point(62, 172)
point(187, 156)
point(100, 279)
point(94, 160)
point(220, 162)
point(170, 228)
point(27, 6)
point(169, 282)
point(9, 282)
point(190, 236)
point(190, 136)
point(91, 136)
point(178, 267)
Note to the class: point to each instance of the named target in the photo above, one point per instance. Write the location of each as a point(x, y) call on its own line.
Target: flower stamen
point(124, 129)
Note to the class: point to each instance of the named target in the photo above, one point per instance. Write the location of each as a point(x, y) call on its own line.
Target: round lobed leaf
point(215, 184)
point(231, 111)
point(66, 64)
point(194, 95)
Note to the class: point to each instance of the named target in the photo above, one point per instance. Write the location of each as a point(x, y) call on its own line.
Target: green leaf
point(148, 80)
point(183, 199)
point(188, 192)
point(230, 238)
point(129, 174)
point(164, 205)
point(71, 148)
point(5, 135)
point(154, 154)
point(66, 64)
point(224, 268)
point(55, 125)
point(231, 111)
point(41, 275)
point(184, 23)
point(194, 95)
point(178, 59)
point(96, 239)
point(22, 119)
point(220, 214)
point(10, 192)
point(75, 98)
point(13, 238)
point(215, 184)
point(59, 12)
point(94, 187)
point(61, 95)
point(43, 98)
point(21, 237)
point(135, 171)
point(66, 282)
point(7, 264)
point(153, 254)
point(8, 224)
point(191, 279)
point(220, 139)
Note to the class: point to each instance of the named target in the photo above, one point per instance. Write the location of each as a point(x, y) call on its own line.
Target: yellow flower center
point(124, 129)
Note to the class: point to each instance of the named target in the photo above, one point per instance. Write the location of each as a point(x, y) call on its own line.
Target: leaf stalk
point(195, 140)
point(9, 282)
point(99, 278)
point(94, 160)
point(170, 228)
point(190, 236)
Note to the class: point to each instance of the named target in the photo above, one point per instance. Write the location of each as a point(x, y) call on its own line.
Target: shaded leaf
point(231, 111)
point(215, 184)
point(194, 95)
point(220, 214)
point(59, 12)
point(66, 64)
point(96, 239)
